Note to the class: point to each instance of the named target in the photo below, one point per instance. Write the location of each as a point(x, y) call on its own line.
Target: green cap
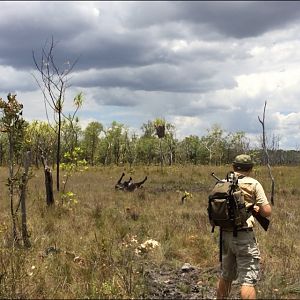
point(243, 161)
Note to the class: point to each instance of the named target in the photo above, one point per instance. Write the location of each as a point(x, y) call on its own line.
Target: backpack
point(226, 205)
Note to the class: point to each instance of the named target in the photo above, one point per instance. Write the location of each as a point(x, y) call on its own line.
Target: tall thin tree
point(264, 144)
point(53, 82)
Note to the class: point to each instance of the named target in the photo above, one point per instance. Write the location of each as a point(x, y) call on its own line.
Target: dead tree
point(160, 128)
point(48, 181)
point(262, 122)
point(53, 84)
point(23, 187)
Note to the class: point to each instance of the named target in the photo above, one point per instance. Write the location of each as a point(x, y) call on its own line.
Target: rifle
point(263, 221)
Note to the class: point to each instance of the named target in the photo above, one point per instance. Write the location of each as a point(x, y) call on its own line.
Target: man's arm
point(265, 210)
point(262, 205)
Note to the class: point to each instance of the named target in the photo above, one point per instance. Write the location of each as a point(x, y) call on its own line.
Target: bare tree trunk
point(48, 182)
point(160, 132)
point(266, 153)
point(1, 154)
point(11, 188)
point(23, 187)
point(161, 156)
point(58, 151)
point(93, 150)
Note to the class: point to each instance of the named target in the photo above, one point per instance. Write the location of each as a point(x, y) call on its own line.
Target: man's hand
point(264, 211)
point(256, 208)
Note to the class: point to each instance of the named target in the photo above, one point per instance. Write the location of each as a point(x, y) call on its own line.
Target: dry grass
point(88, 249)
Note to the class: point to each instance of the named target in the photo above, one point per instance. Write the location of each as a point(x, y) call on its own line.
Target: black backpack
point(226, 206)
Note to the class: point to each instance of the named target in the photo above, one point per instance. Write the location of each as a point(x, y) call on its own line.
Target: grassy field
point(91, 246)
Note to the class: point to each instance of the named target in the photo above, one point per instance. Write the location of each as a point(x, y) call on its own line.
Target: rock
point(187, 268)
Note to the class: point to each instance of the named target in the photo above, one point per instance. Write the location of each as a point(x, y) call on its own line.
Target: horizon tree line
point(115, 145)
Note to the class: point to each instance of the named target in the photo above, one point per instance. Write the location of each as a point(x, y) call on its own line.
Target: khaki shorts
point(240, 257)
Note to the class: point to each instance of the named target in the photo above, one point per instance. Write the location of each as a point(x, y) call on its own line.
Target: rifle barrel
point(216, 177)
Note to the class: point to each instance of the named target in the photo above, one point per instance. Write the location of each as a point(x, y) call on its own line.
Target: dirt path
point(188, 282)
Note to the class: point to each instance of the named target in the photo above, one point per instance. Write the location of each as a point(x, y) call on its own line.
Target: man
point(240, 253)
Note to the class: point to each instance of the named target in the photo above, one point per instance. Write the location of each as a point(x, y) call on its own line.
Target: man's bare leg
point(223, 288)
point(248, 292)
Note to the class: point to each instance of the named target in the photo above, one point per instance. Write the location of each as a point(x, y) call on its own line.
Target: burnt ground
point(187, 282)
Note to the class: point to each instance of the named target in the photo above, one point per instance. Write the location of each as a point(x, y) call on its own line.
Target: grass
point(88, 249)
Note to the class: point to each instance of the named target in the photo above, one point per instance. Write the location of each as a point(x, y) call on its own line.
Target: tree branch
point(262, 122)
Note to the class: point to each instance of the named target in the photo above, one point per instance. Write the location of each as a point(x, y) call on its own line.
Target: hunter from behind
point(239, 252)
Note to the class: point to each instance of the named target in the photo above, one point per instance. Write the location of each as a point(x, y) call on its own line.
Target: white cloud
point(186, 126)
point(192, 63)
point(12, 79)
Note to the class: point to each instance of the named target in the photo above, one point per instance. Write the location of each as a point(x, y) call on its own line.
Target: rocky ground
point(187, 282)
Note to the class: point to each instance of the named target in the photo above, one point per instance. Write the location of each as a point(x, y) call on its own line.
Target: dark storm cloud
point(203, 61)
point(139, 59)
point(111, 50)
point(26, 26)
point(237, 19)
point(167, 78)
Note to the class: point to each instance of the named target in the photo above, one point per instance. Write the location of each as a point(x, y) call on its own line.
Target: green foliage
point(148, 129)
point(13, 123)
point(159, 122)
point(70, 134)
point(73, 163)
point(78, 99)
point(40, 136)
point(91, 139)
point(115, 145)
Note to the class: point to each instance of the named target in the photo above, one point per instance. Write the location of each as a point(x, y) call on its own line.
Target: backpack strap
point(235, 231)
point(221, 246)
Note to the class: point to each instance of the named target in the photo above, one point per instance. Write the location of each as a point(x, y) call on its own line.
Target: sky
point(193, 63)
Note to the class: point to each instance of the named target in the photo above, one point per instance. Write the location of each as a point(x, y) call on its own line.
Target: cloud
point(12, 79)
point(166, 78)
point(26, 26)
point(194, 63)
point(238, 19)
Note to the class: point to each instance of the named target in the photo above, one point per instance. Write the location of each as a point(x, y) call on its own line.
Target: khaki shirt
point(253, 194)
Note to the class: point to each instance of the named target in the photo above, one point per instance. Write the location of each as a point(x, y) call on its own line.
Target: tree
point(214, 142)
point(191, 146)
point(160, 127)
point(171, 142)
point(54, 81)
point(262, 122)
point(91, 139)
point(146, 149)
point(113, 142)
point(148, 129)
point(70, 135)
point(39, 136)
point(164, 131)
point(236, 143)
point(3, 148)
point(130, 148)
point(13, 124)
